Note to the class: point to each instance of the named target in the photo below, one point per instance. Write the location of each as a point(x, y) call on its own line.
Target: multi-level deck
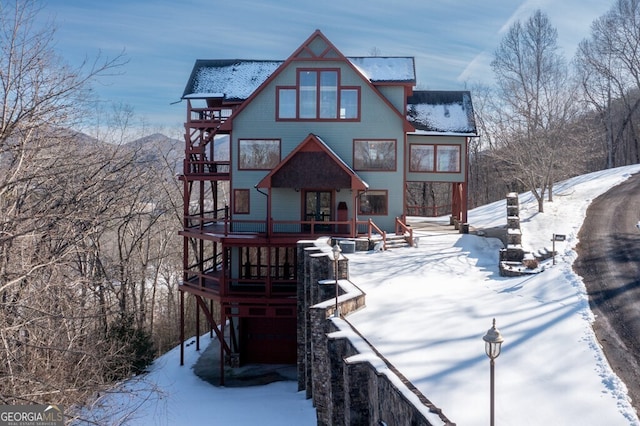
point(267, 271)
point(244, 268)
point(283, 151)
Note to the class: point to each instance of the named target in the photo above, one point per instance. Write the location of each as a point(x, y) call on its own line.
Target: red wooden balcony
point(208, 223)
point(209, 117)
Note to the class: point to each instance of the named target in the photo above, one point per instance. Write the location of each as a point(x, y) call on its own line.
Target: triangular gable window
point(312, 165)
point(317, 47)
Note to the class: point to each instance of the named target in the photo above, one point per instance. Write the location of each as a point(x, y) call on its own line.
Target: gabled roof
point(232, 79)
point(237, 79)
point(433, 111)
point(316, 48)
point(312, 164)
point(386, 69)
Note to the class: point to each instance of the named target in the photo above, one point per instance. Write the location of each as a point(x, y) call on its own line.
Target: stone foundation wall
point(349, 382)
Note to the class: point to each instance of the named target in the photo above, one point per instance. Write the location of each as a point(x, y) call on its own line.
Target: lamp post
point(336, 255)
point(492, 346)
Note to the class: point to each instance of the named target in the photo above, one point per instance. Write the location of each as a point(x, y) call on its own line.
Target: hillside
point(159, 149)
point(427, 309)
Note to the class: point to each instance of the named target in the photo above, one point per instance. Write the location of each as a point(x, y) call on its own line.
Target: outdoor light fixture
point(336, 255)
point(492, 346)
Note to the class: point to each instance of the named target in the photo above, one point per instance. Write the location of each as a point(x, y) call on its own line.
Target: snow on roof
point(441, 111)
point(386, 69)
point(203, 95)
point(237, 79)
point(437, 112)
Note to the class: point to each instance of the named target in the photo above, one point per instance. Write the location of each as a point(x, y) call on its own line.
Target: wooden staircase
point(393, 241)
point(396, 241)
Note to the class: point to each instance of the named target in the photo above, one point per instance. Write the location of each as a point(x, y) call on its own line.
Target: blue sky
point(452, 40)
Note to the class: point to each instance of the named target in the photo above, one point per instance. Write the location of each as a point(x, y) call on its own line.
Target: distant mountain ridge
point(159, 148)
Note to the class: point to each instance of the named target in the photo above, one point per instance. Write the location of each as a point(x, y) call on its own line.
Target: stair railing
point(371, 226)
point(402, 229)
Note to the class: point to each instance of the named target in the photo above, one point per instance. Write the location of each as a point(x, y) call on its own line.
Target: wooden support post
point(464, 198)
point(197, 327)
point(210, 325)
point(222, 351)
point(181, 327)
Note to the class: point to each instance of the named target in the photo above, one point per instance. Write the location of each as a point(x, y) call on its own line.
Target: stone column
point(303, 298)
point(320, 366)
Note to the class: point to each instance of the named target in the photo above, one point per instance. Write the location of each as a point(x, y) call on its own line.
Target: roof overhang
point(437, 133)
point(312, 164)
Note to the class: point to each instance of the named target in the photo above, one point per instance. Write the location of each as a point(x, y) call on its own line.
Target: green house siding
point(377, 121)
point(394, 94)
point(297, 175)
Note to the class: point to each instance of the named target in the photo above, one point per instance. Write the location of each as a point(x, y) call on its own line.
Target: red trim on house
point(310, 56)
point(313, 144)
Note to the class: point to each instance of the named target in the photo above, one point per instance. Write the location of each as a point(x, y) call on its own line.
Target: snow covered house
point(278, 151)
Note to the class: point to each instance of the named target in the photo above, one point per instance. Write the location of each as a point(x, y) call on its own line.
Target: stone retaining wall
point(349, 382)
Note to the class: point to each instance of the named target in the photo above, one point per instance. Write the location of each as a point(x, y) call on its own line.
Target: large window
point(374, 155)
point(308, 94)
point(372, 202)
point(448, 158)
point(258, 154)
point(434, 158)
point(318, 96)
point(328, 94)
point(421, 158)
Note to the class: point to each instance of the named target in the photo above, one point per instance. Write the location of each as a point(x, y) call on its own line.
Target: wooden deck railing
point(370, 227)
point(209, 116)
point(214, 222)
point(207, 276)
point(201, 166)
point(428, 211)
point(215, 282)
point(219, 222)
point(402, 229)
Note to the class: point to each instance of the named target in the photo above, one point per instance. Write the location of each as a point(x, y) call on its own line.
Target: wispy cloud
point(452, 40)
point(478, 70)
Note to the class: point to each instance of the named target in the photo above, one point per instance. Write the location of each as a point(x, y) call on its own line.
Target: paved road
point(609, 262)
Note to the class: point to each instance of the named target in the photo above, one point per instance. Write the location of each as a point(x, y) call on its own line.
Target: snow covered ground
point(427, 310)
point(171, 395)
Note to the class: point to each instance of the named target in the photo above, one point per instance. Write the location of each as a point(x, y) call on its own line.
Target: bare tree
point(89, 247)
point(610, 77)
point(535, 101)
point(52, 193)
point(489, 178)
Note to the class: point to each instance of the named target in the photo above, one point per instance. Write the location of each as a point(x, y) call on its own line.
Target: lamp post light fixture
point(336, 255)
point(492, 346)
